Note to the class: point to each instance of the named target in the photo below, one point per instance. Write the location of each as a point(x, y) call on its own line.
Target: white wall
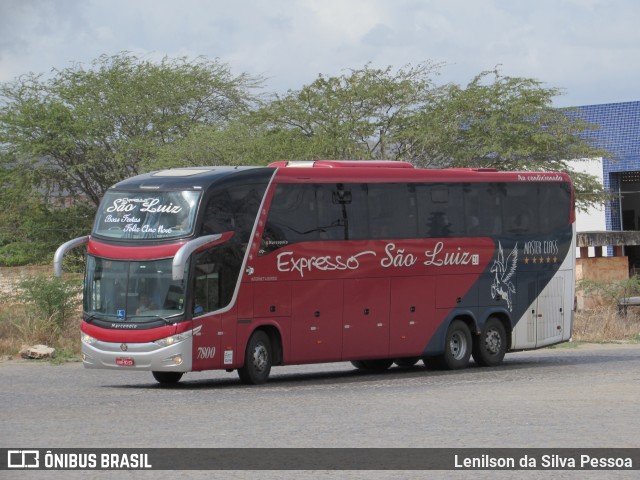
point(593, 219)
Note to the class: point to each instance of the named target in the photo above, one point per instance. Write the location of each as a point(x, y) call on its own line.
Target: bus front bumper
point(148, 356)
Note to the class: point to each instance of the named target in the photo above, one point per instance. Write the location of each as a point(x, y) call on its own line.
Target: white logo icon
point(23, 459)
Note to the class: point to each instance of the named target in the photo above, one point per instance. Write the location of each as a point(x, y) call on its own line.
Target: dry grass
point(606, 324)
point(20, 325)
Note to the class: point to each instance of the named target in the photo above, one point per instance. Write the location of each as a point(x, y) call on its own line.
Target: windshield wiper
point(92, 317)
point(165, 320)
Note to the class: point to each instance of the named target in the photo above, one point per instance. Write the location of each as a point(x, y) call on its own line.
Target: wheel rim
point(493, 342)
point(260, 358)
point(458, 345)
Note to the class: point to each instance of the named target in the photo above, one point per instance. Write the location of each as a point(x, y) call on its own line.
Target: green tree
point(507, 123)
point(82, 130)
point(74, 134)
point(495, 121)
point(360, 115)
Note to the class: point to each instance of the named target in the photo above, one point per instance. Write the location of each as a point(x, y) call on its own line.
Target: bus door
point(549, 312)
point(365, 331)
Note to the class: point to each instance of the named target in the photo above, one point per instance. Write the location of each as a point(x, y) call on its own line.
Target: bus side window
point(216, 274)
point(233, 208)
point(555, 206)
point(342, 211)
point(493, 201)
point(520, 209)
point(246, 206)
point(440, 210)
point(206, 293)
point(293, 217)
point(483, 204)
point(218, 217)
point(392, 211)
point(332, 204)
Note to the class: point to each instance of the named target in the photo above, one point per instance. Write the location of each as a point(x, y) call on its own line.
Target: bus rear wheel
point(167, 378)
point(257, 360)
point(457, 348)
point(490, 347)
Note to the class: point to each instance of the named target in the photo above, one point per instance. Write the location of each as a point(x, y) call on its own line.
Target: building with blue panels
point(619, 133)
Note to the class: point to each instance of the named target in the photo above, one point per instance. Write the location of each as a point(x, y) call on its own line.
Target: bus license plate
point(124, 362)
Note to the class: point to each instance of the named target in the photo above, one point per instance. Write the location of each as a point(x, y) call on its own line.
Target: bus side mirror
point(63, 249)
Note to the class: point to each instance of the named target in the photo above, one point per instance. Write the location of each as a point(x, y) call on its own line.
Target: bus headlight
point(88, 339)
point(172, 340)
point(179, 337)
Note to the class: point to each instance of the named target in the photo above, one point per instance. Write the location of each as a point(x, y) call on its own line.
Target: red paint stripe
point(133, 336)
point(129, 252)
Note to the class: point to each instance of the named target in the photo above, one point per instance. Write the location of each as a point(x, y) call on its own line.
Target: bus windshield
point(146, 215)
point(132, 290)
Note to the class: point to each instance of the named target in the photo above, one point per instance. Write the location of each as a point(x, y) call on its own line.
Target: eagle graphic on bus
point(502, 286)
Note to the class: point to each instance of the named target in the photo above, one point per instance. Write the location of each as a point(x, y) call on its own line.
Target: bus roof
point(188, 178)
point(342, 164)
point(392, 171)
point(200, 178)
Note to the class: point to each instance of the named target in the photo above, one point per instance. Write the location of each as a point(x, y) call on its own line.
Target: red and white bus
point(245, 268)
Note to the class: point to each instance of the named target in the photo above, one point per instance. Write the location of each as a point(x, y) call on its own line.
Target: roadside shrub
point(43, 311)
point(53, 299)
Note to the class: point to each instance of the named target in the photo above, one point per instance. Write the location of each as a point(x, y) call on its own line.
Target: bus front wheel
point(257, 360)
point(167, 378)
point(490, 347)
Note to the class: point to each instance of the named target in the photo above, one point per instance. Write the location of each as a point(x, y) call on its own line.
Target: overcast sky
point(588, 48)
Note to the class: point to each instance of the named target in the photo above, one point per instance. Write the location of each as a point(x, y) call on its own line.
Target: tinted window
point(440, 210)
point(233, 208)
point(392, 211)
point(313, 212)
point(554, 201)
point(483, 208)
point(216, 274)
point(293, 217)
point(345, 204)
point(520, 210)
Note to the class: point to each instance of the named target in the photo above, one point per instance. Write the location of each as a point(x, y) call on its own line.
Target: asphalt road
point(580, 397)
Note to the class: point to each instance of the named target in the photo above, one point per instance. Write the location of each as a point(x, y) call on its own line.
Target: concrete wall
point(599, 269)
